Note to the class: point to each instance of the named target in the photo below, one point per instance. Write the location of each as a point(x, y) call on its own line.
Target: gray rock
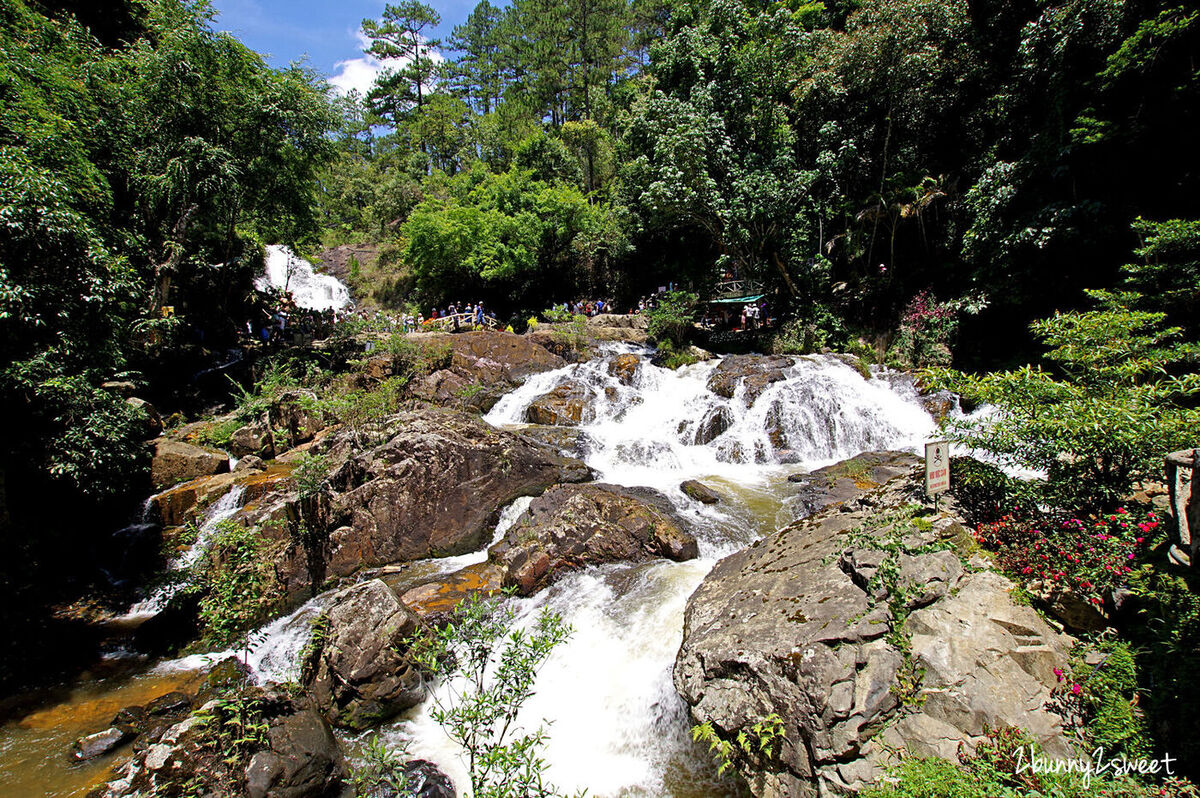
point(250, 463)
point(755, 371)
point(175, 461)
point(573, 526)
point(428, 483)
point(799, 624)
point(426, 780)
point(567, 405)
point(359, 676)
point(303, 761)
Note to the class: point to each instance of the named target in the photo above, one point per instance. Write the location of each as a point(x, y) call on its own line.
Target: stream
point(615, 723)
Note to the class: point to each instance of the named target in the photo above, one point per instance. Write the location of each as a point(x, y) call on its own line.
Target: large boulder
point(176, 461)
point(435, 601)
point(427, 483)
point(483, 366)
point(755, 371)
point(809, 624)
point(183, 503)
point(356, 671)
point(625, 367)
point(570, 441)
point(567, 405)
point(574, 526)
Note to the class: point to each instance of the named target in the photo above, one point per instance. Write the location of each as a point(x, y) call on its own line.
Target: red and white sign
point(937, 467)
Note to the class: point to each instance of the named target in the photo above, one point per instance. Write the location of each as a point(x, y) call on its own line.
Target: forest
point(928, 184)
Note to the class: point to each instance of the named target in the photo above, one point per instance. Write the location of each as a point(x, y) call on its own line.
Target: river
point(616, 726)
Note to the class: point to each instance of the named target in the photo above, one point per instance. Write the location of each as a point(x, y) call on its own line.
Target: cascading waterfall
point(287, 272)
point(221, 510)
point(616, 724)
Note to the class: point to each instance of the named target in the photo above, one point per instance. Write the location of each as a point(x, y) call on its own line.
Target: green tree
point(400, 34)
point(1116, 408)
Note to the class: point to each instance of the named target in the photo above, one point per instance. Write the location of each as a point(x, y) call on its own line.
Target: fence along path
point(461, 321)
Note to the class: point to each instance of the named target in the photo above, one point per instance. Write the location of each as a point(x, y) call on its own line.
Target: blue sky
point(326, 31)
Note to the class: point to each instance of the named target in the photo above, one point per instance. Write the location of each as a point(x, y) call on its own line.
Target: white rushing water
point(286, 272)
point(616, 725)
point(221, 510)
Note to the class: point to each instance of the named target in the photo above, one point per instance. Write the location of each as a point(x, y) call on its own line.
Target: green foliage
point(513, 234)
point(236, 578)
point(1104, 698)
point(671, 320)
point(380, 772)
point(490, 667)
point(1106, 423)
point(1166, 638)
point(761, 742)
point(412, 360)
point(237, 726)
point(1000, 768)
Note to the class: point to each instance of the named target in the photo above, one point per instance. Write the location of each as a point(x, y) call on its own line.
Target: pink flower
point(1058, 672)
point(1076, 689)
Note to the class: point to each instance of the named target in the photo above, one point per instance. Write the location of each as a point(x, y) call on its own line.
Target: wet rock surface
point(435, 601)
point(802, 624)
point(573, 526)
point(756, 372)
point(356, 670)
point(427, 483)
point(567, 405)
point(700, 492)
point(293, 753)
point(624, 367)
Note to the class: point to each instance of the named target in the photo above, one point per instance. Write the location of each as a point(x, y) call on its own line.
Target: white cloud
point(359, 74)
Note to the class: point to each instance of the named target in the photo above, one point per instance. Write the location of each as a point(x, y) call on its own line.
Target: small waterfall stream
point(221, 510)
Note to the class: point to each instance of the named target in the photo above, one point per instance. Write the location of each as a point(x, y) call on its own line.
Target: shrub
point(493, 667)
point(1102, 701)
point(1088, 558)
point(237, 578)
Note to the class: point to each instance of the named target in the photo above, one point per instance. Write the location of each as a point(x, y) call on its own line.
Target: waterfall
point(286, 272)
point(221, 510)
point(616, 725)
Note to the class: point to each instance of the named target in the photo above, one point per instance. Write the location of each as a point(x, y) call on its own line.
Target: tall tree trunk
point(787, 278)
point(165, 271)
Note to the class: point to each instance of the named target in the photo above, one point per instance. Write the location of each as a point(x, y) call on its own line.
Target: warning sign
point(937, 467)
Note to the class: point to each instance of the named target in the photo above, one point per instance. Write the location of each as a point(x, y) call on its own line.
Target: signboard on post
point(937, 467)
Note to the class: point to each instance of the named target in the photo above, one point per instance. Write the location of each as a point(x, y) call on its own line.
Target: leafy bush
point(927, 330)
point(415, 359)
point(1106, 424)
point(671, 320)
point(1102, 701)
point(999, 768)
point(236, 576)
point(1166, 636)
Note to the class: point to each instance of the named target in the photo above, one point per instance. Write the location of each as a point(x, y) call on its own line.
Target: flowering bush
point(1087, 558)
